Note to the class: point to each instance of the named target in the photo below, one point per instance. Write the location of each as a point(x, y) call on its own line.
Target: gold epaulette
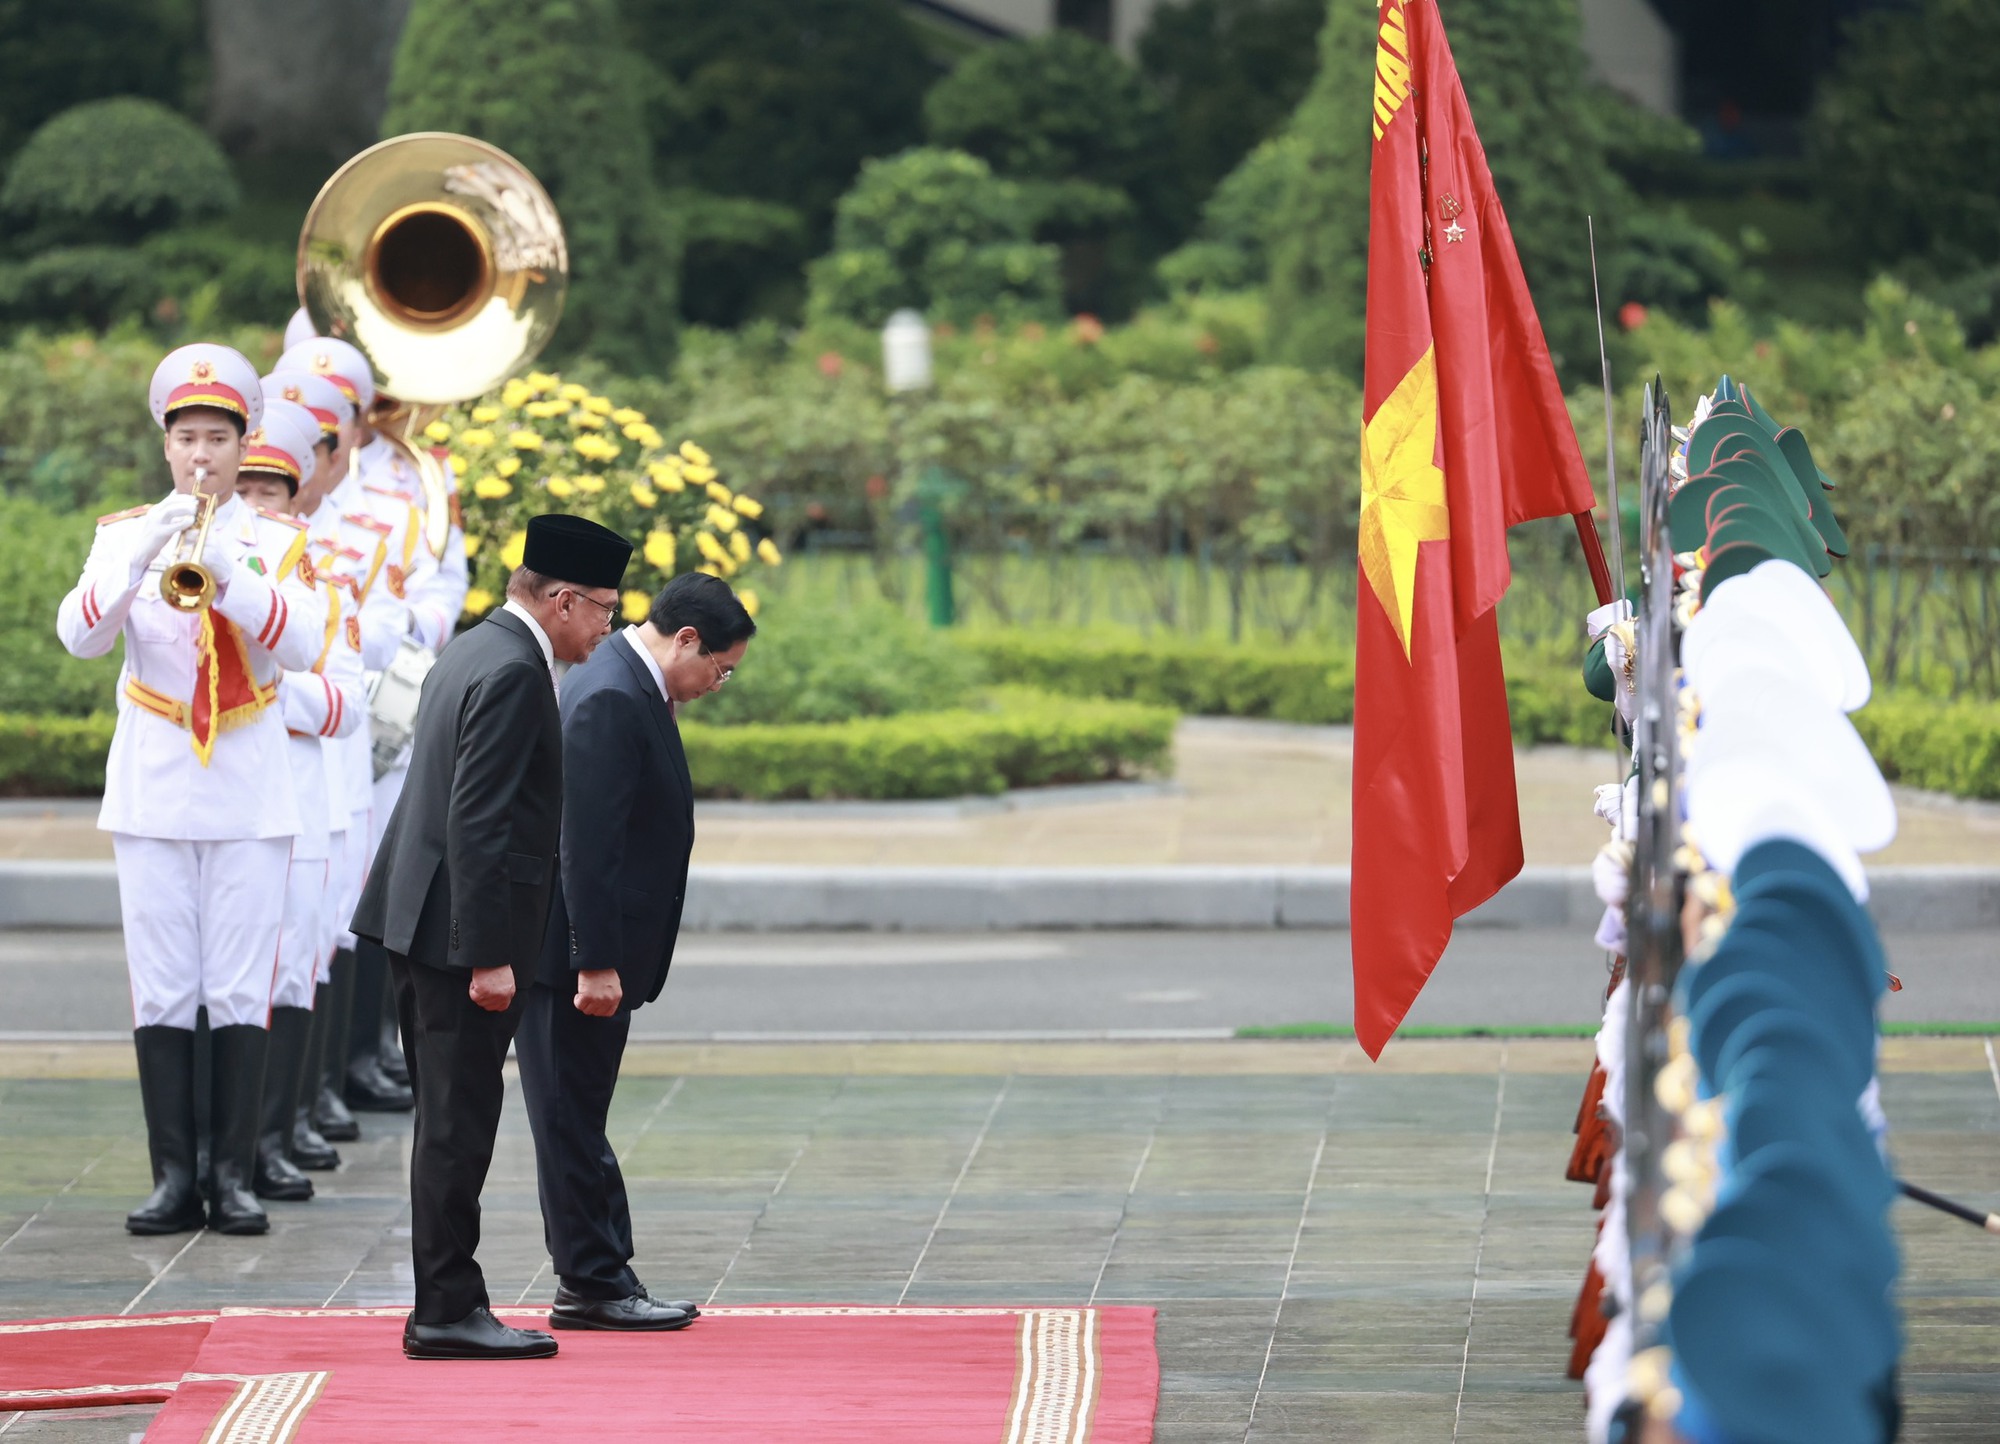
point(125, 515)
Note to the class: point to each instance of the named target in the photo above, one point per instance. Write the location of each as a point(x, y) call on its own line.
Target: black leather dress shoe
point(567, 1298)
point(636, 1313)
point(370, 1090)
point(476, 1336)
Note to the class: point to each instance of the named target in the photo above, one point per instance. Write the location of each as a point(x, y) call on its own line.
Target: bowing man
point(459, 898)
point(627, 832)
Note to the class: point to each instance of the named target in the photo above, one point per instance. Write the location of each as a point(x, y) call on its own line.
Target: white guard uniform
point(197, 791)
point(322, 708)
point(353, 545)
point(435, 584)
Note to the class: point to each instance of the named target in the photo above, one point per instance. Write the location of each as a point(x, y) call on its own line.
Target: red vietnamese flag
point(1464, 434)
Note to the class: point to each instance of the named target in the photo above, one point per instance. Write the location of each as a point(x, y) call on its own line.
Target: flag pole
point(1610, 449)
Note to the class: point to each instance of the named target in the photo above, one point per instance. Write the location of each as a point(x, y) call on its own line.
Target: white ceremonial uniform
point(437, 586)
point(390, 490)
point(352, 545)
point(321, 707)
point(198, 794)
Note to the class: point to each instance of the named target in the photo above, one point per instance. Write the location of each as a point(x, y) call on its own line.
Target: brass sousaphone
point(442, 258)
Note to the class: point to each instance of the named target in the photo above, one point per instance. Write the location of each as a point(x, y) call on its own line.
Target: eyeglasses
point(722, 673)
point(610, 608)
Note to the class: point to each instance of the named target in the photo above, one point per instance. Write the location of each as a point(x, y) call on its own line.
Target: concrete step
point(803, 897)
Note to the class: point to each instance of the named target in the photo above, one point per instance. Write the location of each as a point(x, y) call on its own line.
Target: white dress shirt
point(541, 639)
point(631, 634)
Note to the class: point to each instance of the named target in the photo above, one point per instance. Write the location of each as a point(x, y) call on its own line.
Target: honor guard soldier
point(207, 596)
point(398, 570)
point(365, 541)
point(319, 705)
point(437, 593)
point(334, 410)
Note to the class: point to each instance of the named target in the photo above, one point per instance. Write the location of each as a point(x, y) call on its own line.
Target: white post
point(906, 352)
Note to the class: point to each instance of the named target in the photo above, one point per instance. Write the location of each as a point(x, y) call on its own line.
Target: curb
point(788, 898)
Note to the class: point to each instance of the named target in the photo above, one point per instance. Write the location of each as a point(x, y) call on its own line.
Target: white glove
point(1607, 616)
point(1608, 802)
point(221, 556)
point(167, 519)
point(1615, 655)
point(1611, 873)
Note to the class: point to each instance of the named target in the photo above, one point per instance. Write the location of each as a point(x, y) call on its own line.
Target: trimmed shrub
point(115, 171)
point(1949, 747)
point(1023, 739)
point(860, 662)
point(53, 756)
point(45, 552)
point(1205, 679)
point(934, 230)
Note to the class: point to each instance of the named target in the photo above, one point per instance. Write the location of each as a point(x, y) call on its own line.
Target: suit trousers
point(569, 1069)
point(455, 1050)
point(202, 926)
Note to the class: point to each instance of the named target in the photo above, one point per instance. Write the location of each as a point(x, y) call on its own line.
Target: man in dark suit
point(459, 896)
point(628, 828)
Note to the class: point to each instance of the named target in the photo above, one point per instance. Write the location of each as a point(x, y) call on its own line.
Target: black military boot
point(368, 1089)
point(310, 1150)
point(239, 1051)
point(275, 1175)
point(329, 1109)
point(166, 1089)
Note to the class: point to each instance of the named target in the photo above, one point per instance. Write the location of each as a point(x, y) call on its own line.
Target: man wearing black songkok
point(459, 897)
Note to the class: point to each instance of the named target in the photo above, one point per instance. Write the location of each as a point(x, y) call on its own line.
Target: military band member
point(197, 792)
point(374, 537)
point(327, 702)
point(334, 412)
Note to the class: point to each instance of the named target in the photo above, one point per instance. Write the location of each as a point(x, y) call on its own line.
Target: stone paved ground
point(1340, 1251)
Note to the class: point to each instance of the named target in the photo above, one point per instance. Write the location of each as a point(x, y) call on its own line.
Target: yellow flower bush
point(539, 444)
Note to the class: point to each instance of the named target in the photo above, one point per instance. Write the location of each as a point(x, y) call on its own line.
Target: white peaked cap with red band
point(284, 443)
point(336, 360)
point(327, 402)
point(205, 374)
point(299, 329)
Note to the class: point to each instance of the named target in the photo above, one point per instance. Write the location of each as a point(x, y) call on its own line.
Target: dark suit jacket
point(628, 828)
point(467, 863)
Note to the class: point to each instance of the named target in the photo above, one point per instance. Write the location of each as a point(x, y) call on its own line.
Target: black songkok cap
point(576, 550)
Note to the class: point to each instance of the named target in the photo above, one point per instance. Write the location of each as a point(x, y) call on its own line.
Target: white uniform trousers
point(331, 923)
point(302, 943)
point(202, 925)
point(350, 866)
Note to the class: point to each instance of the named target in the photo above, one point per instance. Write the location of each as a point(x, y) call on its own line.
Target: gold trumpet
point(185, 584)
point(442, 258)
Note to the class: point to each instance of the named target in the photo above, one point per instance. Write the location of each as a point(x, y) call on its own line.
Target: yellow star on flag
point(1402, 491)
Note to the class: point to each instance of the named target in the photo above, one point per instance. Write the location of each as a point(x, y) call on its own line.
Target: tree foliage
point(1090, 143)
point(1230, 72)
point(1906, 137)
point(573, 112)
point(775, 102)
point(938, 231)
point(53, 57)
point(114, 171)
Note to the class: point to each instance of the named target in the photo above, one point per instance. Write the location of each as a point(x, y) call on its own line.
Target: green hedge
point(1949, 747)
point(53, 756)
point(1206, 679)
point(1213, 679)
point(1022, 739)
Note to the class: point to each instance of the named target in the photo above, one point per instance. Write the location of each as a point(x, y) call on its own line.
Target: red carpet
point(750, 1375)
point(77, 1363)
